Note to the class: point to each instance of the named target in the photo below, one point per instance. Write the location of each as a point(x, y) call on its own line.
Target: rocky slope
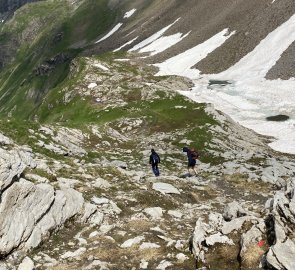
point(47, 29)
point(78, 122)
point(82, 189)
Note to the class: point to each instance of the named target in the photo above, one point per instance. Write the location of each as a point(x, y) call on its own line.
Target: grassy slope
point(21, 91)
point(25, 95)
point(164, 113)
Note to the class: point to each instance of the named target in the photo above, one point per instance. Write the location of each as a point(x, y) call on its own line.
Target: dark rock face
point(46, 67)
point(12, 5)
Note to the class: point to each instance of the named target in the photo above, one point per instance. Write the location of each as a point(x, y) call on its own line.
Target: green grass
point(41, 12)
point(90, 20)
point(18, 130)
point(21, 91)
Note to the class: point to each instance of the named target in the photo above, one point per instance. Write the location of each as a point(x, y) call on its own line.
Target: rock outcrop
point(12, 164)
point(30, 212)
point(280, 230)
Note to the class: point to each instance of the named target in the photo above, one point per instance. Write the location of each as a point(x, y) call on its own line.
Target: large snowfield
point(246, 96)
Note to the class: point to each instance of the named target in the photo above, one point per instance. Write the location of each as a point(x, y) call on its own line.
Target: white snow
point(129, 13)
point(257, 63)
point(163, 43)
point(152, 38)
point(181, 64)
point(126, 44)
point(115, 29)
point(249, 98)
point(101, 67)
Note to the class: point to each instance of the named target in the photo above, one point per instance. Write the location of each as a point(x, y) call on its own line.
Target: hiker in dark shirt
point(154, 161)
point(192, 156)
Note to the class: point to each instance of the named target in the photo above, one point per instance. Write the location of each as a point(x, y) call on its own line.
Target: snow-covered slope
point(248, 45)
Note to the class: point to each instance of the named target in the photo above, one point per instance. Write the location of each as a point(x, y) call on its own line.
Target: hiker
point(154, 161)
point(192, 156)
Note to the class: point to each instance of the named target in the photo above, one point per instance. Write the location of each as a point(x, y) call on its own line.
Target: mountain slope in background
point(241, 33)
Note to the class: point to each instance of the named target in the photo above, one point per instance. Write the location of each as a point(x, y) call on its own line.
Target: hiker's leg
point(189, 171)
point(195, 170)
point(154, 169)
point(157, 170)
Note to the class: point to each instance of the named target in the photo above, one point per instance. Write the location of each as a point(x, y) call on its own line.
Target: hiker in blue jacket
point(192, 156)
point(154, 161)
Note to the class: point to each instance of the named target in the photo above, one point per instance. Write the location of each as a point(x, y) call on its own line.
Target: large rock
point(67, 204)
point(134, 241)
point(165, 188)
point(23, 205)
point(11, 166)
point(282, 255)
point(30, 212)
point(251, 251)
point(218, 238)
point(27, 264)
point(72, 254)
point(4, 140)
point(234, 225)
point(3, 266)
point(154, 212)
point(71, 139)
point(199, 237)
point(233, 210)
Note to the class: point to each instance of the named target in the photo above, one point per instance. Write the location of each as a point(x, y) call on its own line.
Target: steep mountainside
point(88, 88)
point(206, 40)
point(12, 5)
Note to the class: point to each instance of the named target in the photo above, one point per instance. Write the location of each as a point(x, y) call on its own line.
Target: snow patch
point(152, 38)
point(129, 13)
point(247, 96)
point(163, 43)
point(181, 64)
point(115, 29)
point(126, 44)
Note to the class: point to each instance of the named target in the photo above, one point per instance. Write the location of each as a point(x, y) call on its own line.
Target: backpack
point(195, 155)
point(156, 158)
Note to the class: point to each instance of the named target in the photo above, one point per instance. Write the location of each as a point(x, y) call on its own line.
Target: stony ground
point(76, 189)
point(86, 198)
